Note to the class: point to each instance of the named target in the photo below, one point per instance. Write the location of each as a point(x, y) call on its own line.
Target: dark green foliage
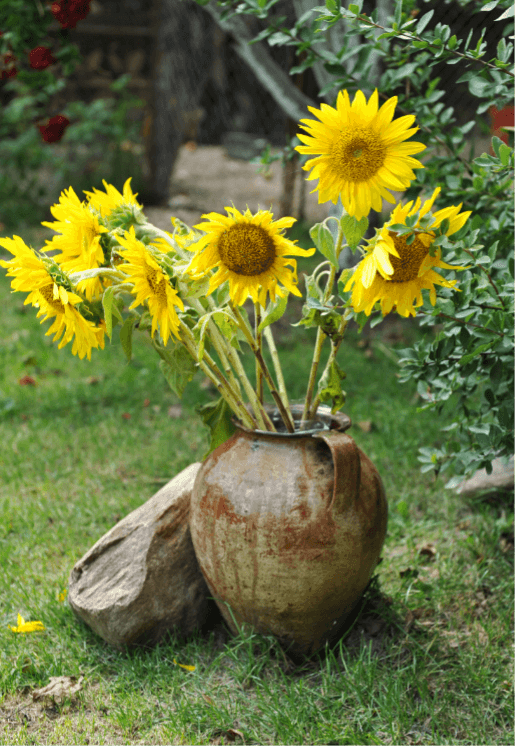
point(468, 367)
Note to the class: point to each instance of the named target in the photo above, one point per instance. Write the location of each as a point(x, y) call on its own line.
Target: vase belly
point(276, 553)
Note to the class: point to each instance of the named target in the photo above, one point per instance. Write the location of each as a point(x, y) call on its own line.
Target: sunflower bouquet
point(188, 287)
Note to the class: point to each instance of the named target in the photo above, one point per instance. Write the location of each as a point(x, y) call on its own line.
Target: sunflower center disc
point(157, 286)
point(358, 154)
point(247, 249)
point(47, 292)
point(406, 266)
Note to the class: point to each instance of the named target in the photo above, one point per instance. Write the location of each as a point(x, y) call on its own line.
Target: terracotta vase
point(288, 528)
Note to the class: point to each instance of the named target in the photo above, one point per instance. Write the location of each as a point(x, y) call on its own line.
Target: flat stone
point(142, 579)
point(481, 482)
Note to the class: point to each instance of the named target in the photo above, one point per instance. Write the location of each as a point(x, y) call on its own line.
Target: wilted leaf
point(365, 426)
point(329, 386)
point(217, 415)
point(59, 687)
point(179, 369)
point(126, 416)
point(274, 311)
point(228, 736)
point(126, 334)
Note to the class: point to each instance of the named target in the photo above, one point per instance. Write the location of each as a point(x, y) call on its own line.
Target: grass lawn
point(428, 661)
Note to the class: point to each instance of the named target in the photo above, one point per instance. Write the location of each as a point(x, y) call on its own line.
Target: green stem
point(277, 366)
point(264, 421)
point(259, 343)
point(219, 343)
point(216, 376)
point(320, 334)
point(245, 327)
point(332, 356)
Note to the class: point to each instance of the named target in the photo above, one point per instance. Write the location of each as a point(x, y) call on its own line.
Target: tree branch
point(292, 101)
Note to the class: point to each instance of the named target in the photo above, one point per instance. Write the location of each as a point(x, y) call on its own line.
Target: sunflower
point(361, 154)
point(250, 252)
point(30, 273)
point(394, 272)
point(79, 239)
point(107, 202)
point(151, 285)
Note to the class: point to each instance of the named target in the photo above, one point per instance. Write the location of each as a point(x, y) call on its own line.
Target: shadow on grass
point(374, 623)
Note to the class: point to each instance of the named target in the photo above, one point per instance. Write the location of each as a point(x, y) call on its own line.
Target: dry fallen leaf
point(126, 416)
point(365, 426)
point(59, 687)
point(427, 550)
point(174, 412)
point(147, 402)
point(27, 380)
point(230, 735)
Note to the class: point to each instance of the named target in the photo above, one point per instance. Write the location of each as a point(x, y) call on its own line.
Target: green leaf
point(107, 307)
point(217, 415)
point(324, 241)
point(126, 335)
point(353, 229)
point(228, 327)
point(478, 86)
point(199, 332)
point(313, 290)
point(490, 5)
point(423, 22)
point(329, 387)
point(495, 375)
point(274, 312)
point(504, 152)
point(397, 12)
point(452, 43)
point(496, 143)
point(178, 367)
point(479, 350)
point(508, 13)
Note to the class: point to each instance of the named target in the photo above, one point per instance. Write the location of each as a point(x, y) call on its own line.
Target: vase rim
point(324, 421)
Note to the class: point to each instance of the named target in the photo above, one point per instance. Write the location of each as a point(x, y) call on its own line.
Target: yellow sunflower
point(361, 154)
point(106, 202)
point(30, 273)
point(394, 272)
point(78, 238)
point(150, 285)
point(250, 251)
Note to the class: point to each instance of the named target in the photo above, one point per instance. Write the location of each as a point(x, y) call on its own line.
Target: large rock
point(502, 477)
point(142, 579)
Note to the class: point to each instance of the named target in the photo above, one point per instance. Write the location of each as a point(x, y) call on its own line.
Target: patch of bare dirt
point(206, 179)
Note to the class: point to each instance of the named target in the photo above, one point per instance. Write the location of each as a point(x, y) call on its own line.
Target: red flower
point(54, 129)
point(501, 118)
point(11, 71)
point(40, 58)
point(69, 12)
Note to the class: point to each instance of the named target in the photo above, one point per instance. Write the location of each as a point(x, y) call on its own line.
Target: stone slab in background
point(142, 579)
point(481, 482)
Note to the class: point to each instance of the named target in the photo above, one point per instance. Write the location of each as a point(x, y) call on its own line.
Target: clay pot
point(288, 528)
